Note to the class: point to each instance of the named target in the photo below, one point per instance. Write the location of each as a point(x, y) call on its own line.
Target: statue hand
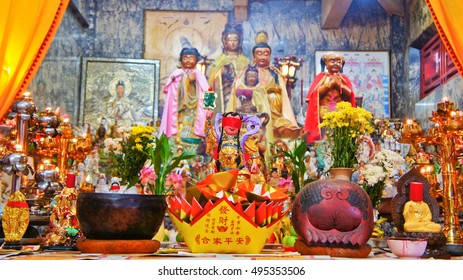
point(192, 77)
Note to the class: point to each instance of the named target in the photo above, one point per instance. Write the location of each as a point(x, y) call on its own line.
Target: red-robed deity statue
point(327, 89)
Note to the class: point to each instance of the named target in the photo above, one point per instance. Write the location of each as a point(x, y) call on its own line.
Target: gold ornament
point(15, 220)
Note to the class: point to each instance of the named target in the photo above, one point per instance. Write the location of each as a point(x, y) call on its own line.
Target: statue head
point(189, 57)
point(232, 38)
point(261, 51)
point(231, 123)
point(251, 76)
point(120, 87)
point(334, 62)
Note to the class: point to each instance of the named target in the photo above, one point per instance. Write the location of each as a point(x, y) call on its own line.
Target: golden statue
point(417, 215)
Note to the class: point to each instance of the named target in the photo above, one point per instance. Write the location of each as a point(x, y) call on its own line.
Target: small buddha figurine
point(417, 215)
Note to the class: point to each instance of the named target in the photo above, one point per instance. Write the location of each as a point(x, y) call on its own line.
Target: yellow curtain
point(447, 17)
point(27, 28)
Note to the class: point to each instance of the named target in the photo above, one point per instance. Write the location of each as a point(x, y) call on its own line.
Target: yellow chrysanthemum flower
point(345, 127)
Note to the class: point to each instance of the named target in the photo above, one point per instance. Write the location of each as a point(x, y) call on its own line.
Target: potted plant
point(345, 127)
point(131, 216)
point(297, 158)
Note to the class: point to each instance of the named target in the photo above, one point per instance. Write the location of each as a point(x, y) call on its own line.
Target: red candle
point(71, 180)
point(416, 191)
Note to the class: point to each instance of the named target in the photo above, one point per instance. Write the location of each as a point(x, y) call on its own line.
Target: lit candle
point(416, 191)
point(71, 180)
point(408, 127)
point(429, 169)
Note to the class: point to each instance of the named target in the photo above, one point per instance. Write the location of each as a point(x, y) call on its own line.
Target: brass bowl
point(120, 216)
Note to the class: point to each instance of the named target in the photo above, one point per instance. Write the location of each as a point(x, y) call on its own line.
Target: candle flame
point(453, 114)
point(444, 99)
point(409, 121)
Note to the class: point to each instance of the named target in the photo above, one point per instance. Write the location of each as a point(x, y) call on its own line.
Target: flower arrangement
point(129, 153)
point(380, 173)
point(346, 127)
point(162, 162)
point(138, 156)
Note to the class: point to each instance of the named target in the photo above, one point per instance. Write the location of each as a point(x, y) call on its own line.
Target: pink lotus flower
point(147, 176)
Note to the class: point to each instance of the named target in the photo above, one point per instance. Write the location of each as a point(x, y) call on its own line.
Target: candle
point(71, 180)
point(416, 191)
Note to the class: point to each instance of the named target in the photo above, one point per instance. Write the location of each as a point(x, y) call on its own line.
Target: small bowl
point(404, 247)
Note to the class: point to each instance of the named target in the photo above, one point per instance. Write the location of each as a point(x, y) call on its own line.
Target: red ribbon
point(233, 122)
point(17, 204)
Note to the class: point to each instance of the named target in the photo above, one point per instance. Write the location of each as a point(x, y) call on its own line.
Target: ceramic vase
point(341, 173)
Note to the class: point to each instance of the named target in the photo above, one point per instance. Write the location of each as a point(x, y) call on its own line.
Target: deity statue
point(269, 93)
point(228, 64)
point(184, 115)
point(244, 94)
point(325, 92)
point(417, 215)
point(274, 179)
point(226, 142)
point(229, 153)
point(64, 226)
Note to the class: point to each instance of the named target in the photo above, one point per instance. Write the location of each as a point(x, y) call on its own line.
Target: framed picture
point(167, 32)
point(369, 73)
point(119, 92)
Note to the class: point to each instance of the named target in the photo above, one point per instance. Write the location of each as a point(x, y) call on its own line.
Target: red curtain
point(447, 16)
point(27, 29)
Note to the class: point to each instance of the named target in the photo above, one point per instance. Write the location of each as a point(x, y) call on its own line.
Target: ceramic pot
point(120, 216)
point(341, 173)
point(333, 217)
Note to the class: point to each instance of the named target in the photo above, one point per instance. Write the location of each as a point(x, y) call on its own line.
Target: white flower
point(372, 174)
point(113, 145)
point(391, 161)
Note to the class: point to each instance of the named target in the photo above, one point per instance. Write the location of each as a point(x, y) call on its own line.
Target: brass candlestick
point(46, 134)
point(448, 127)
point(23, 111)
